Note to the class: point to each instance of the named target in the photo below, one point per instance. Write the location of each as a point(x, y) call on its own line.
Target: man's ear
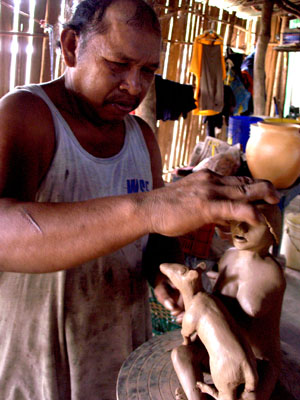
point(69, 44)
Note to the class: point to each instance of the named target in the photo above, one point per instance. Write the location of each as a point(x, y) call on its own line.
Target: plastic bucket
point(239, 129)
point(290, 243)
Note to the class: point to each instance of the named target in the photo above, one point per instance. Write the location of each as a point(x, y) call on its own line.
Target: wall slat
point(22, 42)
point(40, 11)
point(5, 43)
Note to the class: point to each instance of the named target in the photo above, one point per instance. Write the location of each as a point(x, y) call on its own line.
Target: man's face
point(115, 69)
point(247, 237)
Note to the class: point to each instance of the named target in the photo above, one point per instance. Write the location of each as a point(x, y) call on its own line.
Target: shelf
point(288, 47)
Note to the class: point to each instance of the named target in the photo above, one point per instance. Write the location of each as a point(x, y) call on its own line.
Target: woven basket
point(162, 320)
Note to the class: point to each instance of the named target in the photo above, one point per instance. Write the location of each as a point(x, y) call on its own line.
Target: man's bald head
point(95, 16)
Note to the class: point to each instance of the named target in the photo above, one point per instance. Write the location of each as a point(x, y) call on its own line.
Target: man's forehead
point(126, 43)
point(120, 11)
point(127, 12)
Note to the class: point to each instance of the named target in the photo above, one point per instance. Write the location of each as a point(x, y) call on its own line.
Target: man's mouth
point(124, 106)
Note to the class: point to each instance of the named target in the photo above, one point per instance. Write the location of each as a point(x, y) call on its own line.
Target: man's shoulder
point(26, 123)
point(23, 104)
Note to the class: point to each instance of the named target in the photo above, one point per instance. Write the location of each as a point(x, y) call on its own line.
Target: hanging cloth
point(173, 99)
point(208, 66)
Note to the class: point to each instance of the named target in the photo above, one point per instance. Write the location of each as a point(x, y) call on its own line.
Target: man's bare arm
point(43, 237)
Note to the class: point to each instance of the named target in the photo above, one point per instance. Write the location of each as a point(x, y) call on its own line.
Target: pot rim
point(279, 124)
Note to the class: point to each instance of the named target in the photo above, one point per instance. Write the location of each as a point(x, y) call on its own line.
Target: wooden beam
point(289, 7)
point(231, 29)
point(259, 89)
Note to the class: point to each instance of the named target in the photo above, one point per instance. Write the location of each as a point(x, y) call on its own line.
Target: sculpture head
point(260, 237)
point(183, 278)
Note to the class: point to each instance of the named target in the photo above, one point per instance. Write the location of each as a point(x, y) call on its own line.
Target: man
point(76, 176)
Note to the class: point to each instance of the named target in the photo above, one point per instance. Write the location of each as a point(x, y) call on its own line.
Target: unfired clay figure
point(239, 323)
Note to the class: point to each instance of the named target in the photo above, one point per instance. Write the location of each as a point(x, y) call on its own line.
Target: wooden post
point(259, 61)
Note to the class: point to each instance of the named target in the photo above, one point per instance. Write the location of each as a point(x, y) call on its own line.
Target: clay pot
point(273, 153)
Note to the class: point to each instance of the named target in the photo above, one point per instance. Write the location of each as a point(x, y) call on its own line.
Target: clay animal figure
point(239, 322)
point(231, 361)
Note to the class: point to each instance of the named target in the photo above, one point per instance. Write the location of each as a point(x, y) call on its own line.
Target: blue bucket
point(239, 129)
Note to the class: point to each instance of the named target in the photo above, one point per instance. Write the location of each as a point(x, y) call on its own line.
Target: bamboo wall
point(182, 21)
point(277, 68)
point(24, 42)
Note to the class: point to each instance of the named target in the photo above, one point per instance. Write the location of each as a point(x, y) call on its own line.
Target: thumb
point(164, 297)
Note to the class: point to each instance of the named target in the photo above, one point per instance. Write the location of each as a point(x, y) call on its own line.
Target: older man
point(77, 205)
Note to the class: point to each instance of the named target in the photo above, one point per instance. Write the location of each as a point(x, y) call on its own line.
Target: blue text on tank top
point(137, 185)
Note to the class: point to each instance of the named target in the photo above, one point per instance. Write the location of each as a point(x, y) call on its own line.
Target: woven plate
point(148, 372)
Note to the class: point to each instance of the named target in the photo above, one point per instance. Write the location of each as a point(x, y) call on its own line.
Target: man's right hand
point(205, 197)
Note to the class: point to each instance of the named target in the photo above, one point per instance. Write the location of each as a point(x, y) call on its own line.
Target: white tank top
point(71, 330)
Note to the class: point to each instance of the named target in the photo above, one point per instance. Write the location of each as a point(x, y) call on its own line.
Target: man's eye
point(114, 65)
point(148, 71)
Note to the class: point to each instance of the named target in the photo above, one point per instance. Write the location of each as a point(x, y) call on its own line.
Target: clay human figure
point(250, 286)
point(221, 347)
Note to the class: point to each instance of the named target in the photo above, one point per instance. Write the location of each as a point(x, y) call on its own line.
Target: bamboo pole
point(51, 17)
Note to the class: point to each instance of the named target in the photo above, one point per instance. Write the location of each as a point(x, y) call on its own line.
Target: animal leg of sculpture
point(187, 360)
point(205, 388)
point(212, 391)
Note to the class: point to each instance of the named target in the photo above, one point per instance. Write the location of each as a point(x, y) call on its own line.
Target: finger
point(166, 300)
point(256, 191)
point(213, 177)
point(170, 305)
point(178, 306)
point(234, 211)
point(179, 318)
point(236, 180)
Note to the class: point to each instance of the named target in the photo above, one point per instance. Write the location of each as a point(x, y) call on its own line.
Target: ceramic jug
point(273, 153)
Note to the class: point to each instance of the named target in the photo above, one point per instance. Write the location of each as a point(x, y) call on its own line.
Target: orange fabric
point(210, 38)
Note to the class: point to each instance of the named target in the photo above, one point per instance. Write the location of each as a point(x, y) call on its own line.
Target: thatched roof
point(254, 7)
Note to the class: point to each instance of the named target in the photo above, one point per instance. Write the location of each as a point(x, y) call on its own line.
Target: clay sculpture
point(235, 330)
point(208, 318)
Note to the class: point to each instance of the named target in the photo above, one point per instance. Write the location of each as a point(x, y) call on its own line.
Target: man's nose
point(132, 82)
